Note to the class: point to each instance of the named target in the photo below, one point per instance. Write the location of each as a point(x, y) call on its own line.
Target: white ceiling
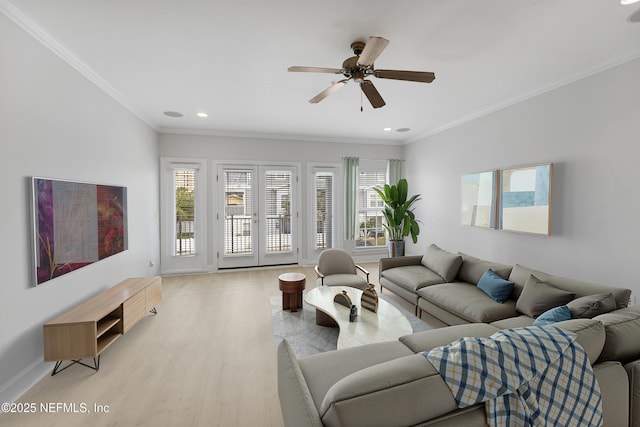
point(230, 58)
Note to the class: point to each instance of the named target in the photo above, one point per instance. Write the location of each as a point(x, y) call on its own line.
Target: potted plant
point(399, 217)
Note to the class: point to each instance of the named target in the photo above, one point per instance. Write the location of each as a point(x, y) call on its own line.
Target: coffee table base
point(323, 319)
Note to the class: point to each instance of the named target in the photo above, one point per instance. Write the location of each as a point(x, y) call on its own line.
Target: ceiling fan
point(359, 67)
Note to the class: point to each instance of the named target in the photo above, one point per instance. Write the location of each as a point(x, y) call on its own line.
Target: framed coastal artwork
point(478, 207)
point(75, 224)
point(525, 199)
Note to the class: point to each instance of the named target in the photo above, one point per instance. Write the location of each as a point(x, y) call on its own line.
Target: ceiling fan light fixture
point(387, 129)
point(357, 68)
point(202, 115)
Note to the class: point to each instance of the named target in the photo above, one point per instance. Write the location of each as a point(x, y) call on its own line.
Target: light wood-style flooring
point(207, 359)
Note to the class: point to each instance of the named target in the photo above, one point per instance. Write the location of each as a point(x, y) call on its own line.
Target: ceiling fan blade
point(413, 76)
point(371, 51)
point(328, 91)
point(299, 69)
point(372, 94)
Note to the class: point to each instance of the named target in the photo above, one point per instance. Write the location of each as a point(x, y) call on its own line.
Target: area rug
point(305, 337)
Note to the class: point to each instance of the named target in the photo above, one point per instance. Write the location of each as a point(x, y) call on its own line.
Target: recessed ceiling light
point(173, 114)
point(201, 114)
point(628, 1)
point(403, 130)
point(386, 129)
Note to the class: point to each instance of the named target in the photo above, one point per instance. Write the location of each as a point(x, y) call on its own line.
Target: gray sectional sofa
point(392, 384)
point(444, 284)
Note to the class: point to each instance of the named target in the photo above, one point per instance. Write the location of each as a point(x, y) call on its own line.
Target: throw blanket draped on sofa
point(533, 376)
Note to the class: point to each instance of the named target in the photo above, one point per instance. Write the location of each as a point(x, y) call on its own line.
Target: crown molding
point(276, 136)
point(30, 26)
point(528, 95)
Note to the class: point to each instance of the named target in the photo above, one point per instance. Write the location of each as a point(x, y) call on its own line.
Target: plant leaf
point(403, 189)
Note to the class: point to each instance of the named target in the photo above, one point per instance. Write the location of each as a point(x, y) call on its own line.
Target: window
point(371, 231)
point(323, 184)
point(184, 213)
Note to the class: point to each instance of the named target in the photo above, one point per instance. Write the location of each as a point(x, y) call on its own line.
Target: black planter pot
point(396, 248)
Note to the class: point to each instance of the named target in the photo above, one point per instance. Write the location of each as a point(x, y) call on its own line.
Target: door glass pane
point(185, 197)
point(238, 209)
point(324, 210)
point(277, 194)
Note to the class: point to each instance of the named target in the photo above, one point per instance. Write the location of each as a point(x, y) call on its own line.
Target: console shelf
point(89, 328)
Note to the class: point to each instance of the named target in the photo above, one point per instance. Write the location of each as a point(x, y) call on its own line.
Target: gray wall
point(589, 130)
point(55, 123)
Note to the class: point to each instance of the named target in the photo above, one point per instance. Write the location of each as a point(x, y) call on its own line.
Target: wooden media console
point(89, 328)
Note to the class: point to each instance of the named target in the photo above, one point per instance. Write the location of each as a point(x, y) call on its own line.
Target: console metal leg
point(153, 310)
point(95, 367)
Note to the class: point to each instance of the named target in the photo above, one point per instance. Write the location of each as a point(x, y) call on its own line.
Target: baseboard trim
point(27, 378)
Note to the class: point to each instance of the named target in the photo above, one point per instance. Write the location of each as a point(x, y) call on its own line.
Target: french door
point(257, 215)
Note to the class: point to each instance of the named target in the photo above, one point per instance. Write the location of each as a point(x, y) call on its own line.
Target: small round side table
point(292, 285)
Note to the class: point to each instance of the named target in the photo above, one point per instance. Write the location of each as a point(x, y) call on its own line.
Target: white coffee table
point(387, 324)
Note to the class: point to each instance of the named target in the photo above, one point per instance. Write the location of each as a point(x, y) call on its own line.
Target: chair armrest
point(320, 275)
point(359, 267)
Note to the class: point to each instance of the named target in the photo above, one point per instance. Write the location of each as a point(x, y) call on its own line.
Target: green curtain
point(394, 171)
point(351, 197)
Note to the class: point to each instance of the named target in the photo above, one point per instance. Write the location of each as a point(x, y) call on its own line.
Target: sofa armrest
point(387, 263)
point(403, 391)
point(298, 409)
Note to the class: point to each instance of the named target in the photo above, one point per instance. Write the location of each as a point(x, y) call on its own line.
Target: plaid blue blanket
point(533, 376)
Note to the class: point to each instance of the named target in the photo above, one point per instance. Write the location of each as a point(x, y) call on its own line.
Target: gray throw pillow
point(592, 305)
point(538, 297)
point(472, 268)
point(441, 262)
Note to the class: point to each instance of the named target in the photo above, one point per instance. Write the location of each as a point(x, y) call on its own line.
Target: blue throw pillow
point(557, 314)
point(495, 286)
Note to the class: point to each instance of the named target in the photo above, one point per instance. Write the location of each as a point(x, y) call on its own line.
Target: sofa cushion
point(633, 373)
point(538, 297)
point(622, 328)
point(590, 335)
point(520, 274)
point(445, 263)
point(352, 280)
point(467, 302)
point(514, 322)
point(616, 392)
point(412, 277)
point(590, 332)
point(428, 340)
point(472, 268)
point(592, 305)
point(495, 286)
point(554, 315)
